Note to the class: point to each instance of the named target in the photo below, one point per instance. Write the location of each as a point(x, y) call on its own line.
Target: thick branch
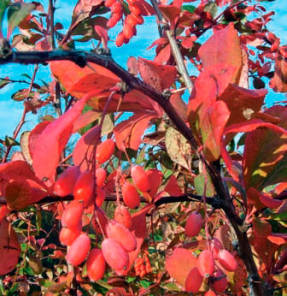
point(82, 57)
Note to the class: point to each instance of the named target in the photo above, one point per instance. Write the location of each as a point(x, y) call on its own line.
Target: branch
point(174, 47)
point(82, 57)
point(23, 117)
point(51, 20)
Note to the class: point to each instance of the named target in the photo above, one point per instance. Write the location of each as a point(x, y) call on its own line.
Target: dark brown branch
point(81, 58)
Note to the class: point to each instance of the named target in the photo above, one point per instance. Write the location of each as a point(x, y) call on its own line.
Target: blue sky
point(10, 111)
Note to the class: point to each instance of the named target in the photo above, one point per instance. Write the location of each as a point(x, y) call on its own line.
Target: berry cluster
point(210, 262)
point(131, 21)
point(142, 266)
point(88, 192)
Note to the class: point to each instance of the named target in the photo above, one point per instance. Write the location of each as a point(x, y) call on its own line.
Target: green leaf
point(189, 8)
point(141, 156)
point(4, 82)
point(211, 7)
point(108, 125)
point(145, 283)
point(265, 158)
point(199, 183)
point(16, 14)
point(3, 6)
point(9, 142)
point(131, 279)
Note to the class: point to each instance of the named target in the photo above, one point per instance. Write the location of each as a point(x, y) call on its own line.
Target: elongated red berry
point(209, 293)
point(122, 235)
point(193, 281)
point(72, 215)
point(219, 282)
point(96, 265)
point(109, 3)
point(101, 175)
point(123, 216)
point(205, 263)
point(67, 236)
point(120, 40)
point(66, 181)
point(114, 254)
point(128, 31)
point(140, 178)
point(79, 250)
point(227, 260)
point(84, 188)
point(100, 198)
point(130, 195)
point(135, 9)
point(116, 7)
point(114, 19)
point(193, 224)
point(138, 18)
point(131, 20)
point(105, 150)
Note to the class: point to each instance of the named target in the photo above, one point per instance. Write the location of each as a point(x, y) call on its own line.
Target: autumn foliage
point(167, 178)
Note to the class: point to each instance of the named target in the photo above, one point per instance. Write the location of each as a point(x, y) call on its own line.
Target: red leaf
point(128, 133)
point(85, 119)
point(172, 187)
point(20, 194)
point(270, 202)
point(246, 127)
point(158, 76)
point(53, 139)
point(277, 238)
point(9, 248)
point(170, 12)
point(35, 132)
point(262, 200)
point(209, 85)
point(163, 54)
point(279, 81)
point(179, 264)
point(137, 101)
point(179, 105)
point(262, 168)
point(103, 33)
point(223, 48)
point(83, 152)
point(17, 171)
point(146, 9)
point(242, 102)
point(212, 123)
point(79, 81)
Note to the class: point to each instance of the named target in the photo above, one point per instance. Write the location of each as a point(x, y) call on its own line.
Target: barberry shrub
point(165, 176)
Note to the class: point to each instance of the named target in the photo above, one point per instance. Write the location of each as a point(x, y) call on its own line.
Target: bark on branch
point(81, 58)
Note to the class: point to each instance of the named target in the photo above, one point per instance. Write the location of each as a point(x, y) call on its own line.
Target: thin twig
point(174, 47)
point(23, 117)
point(81, 58)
